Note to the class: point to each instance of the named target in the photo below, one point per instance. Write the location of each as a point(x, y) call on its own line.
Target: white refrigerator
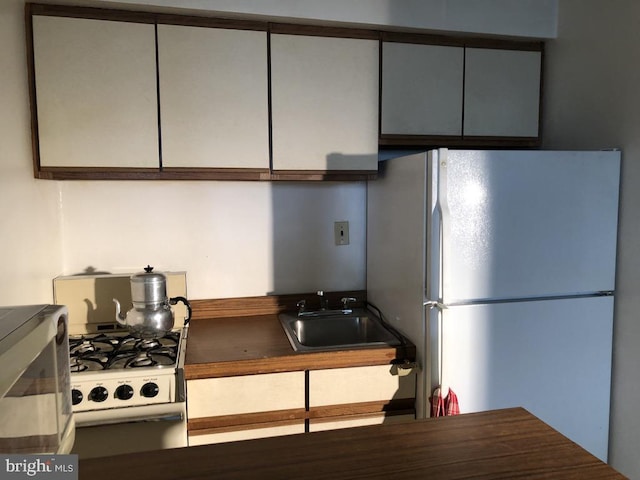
point(500, 267)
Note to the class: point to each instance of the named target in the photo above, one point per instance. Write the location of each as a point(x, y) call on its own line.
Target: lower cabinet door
point(358, 384)
point(321, 424)
point(245, 394)
point(244, 433)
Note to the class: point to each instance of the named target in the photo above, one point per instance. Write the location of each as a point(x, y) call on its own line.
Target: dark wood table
point(510, 443)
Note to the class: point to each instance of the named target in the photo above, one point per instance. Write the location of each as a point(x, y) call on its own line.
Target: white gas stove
point(116, 370)
point(128, 394)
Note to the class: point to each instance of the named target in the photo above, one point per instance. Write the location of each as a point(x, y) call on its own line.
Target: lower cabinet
point(266, 405)
point(204, 437)
point(335, 423)
point(338, 386)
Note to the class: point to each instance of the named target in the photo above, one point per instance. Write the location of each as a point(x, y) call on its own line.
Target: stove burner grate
point(112, 351)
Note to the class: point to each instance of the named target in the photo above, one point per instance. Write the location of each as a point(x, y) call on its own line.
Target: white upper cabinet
point(324, 103)
point(474, 94)
point(96, 93)
point(421, 89)
point(213, 97)
point(502, 92)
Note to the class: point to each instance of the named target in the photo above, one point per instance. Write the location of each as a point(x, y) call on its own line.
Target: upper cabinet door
point(421, 89)
point(502, 92)
point(213, 97)
point(96, 93)
point(324, 103)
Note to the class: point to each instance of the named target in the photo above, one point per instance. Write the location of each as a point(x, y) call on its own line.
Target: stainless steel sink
point(358, 329)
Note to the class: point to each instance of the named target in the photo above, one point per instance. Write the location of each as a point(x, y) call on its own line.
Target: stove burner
point(141, 360)
point(148, 344)
point(117, 351)
point(85, 364)
point(86, 345)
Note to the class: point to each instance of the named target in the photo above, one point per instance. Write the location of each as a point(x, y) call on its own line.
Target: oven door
point(134, 429)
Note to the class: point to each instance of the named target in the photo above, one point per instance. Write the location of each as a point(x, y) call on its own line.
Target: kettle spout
point(120, 318)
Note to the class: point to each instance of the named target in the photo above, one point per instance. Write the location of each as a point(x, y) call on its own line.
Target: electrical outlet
point(341, 233)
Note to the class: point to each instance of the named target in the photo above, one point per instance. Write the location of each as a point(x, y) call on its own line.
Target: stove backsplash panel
point(89, 299)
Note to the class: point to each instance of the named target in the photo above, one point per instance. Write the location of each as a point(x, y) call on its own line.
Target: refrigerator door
point(400, 212)
point(522, 224)
point(552, 357)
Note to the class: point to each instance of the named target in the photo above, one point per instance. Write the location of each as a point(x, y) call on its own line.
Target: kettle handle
point(175, 300)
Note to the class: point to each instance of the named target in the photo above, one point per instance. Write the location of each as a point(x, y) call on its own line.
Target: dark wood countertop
point(219, 347)
point(509, 443)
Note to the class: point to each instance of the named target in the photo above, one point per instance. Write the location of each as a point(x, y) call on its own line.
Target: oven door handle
point(172, 412)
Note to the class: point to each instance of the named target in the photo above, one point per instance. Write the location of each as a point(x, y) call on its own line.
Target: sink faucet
point(324, 303)
point(346, 301)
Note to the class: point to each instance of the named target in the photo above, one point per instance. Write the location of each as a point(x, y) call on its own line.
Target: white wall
point(233, 238)
point(592, 97)
point(30, 249)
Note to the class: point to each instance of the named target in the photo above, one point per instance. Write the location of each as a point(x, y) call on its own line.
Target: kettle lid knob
point(148, 269)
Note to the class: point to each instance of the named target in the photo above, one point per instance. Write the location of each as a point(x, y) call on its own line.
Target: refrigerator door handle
point(435, 304)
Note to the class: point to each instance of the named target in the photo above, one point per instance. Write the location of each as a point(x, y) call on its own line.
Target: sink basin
point(358, 329)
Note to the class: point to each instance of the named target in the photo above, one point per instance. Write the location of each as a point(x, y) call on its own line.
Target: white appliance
point(35, 399)
point(500, 267)
point(128, 394)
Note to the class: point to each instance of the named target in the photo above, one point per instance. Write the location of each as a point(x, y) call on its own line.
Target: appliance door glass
point(552, 357)
point(29, 414)
point(528, 223)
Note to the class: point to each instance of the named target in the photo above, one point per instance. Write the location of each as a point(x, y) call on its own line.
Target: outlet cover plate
point(341, 233)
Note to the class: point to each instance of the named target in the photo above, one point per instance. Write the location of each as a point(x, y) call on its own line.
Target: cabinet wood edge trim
point(436, 141)
point(323, 31)
point(138, 16)
point(112, 173)
point(326, 175)
point(31, 79)
point(299, 362)
point(92, 13)
point(251, 420)
point(195, 174)
point(363, 416)
point(398, 406)
point(461, 41)
point(266, 305)
point(244, 421)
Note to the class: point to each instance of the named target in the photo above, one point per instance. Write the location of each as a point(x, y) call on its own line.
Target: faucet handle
point(301, 305)
point(346, 300)
point(324, 302)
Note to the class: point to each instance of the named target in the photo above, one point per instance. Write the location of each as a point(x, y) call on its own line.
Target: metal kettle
point(151, 315)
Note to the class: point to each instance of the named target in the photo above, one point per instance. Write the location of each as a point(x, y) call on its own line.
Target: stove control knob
point(124, 392)
point(76, 396)
point(149, 390)
point(98, 394)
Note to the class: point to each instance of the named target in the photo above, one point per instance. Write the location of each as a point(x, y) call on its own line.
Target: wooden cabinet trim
point(243, 427)
point(327, 175)
point(401, 406)
point(231, 174)
point(251, 420)
point(297, 362)
point(323, 31)
point(223, 423)
point(266, 305)
point(462, 41)
point(94, 13)
point(433, 141)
